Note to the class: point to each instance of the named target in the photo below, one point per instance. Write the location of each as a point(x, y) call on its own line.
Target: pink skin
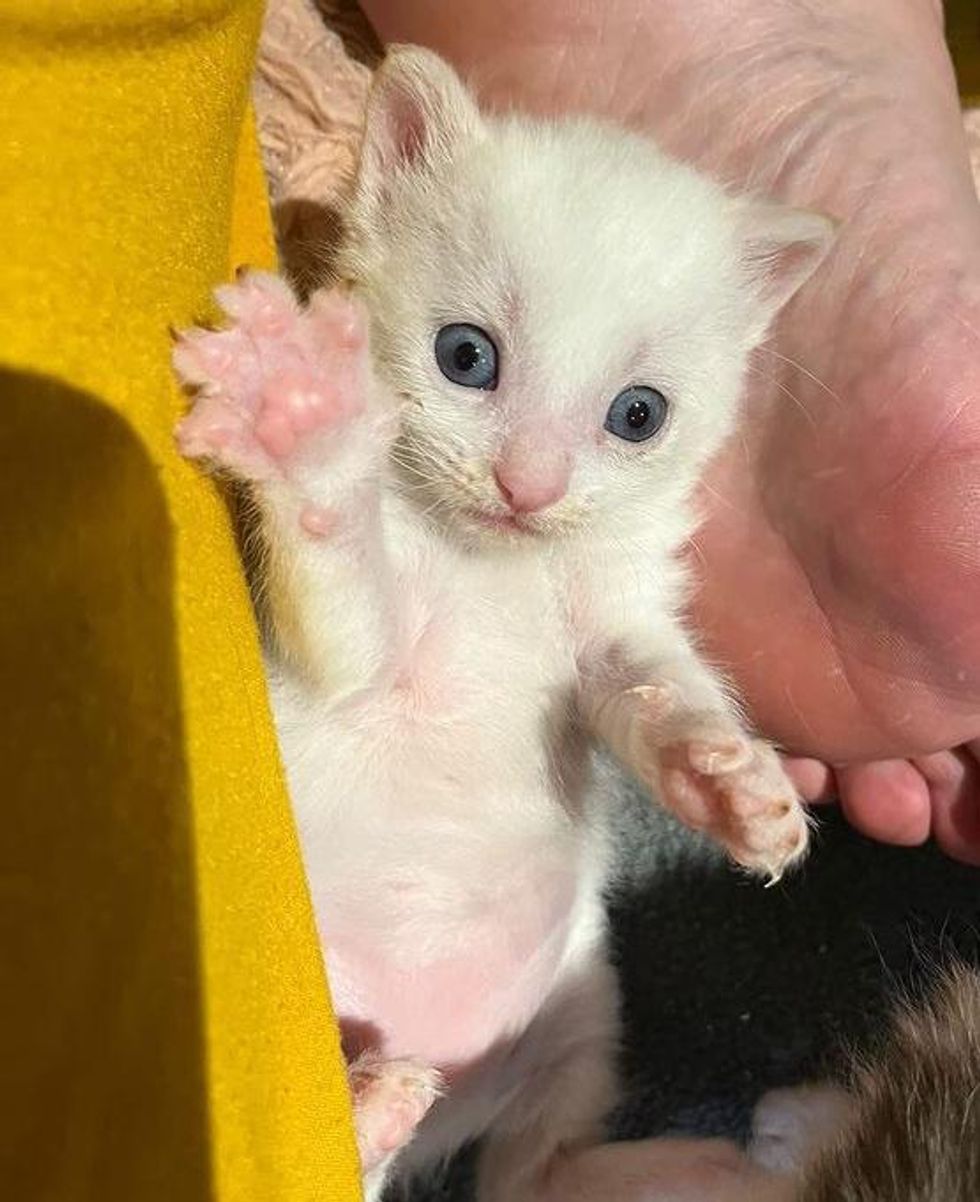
point(847, 520)
point(462, 1003)
point(269, 381)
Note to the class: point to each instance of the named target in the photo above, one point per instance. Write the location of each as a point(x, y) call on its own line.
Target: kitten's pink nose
point(529, 482)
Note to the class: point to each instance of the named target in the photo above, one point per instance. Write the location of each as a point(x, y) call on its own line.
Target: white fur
point(437, 685)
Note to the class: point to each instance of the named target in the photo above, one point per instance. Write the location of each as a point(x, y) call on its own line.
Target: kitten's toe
point(764, 826)
point(259, 301)
point(734, 789)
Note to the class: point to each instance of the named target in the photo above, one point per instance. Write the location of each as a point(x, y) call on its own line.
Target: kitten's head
point(566, 311)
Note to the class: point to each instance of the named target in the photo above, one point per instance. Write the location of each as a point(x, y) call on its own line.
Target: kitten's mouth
point(503, 522)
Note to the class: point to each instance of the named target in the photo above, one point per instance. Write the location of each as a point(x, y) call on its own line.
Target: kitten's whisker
point(787, 391)
point(968, 326)
point(439, 503)
point(422, 456)
point(415, 471)
point(416, 455)
point(423, 486)
point(804, 371)
point(695, 546)
point(722, 500)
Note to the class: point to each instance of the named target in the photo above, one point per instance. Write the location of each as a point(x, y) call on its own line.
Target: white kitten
point(471, 576)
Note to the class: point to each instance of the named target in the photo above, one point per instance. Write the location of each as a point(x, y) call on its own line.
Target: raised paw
point(275, 380)
point(719, 780)
point(391, 1097)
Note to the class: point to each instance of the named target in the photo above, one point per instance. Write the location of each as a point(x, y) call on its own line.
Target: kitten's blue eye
point(466, 355)
point(637, 413)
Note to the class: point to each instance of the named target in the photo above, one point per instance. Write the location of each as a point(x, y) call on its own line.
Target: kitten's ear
point(418, 113)
point(781, 249)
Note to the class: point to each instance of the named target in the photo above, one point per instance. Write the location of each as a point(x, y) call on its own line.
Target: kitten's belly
point(447, 1001)
point(445, 874)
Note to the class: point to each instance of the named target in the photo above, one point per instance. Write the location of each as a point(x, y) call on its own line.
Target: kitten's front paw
point(275, 380)
point(391, 1097)
point(719, 780)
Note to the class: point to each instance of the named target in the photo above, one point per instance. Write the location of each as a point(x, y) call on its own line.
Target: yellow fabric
point(166, 1032)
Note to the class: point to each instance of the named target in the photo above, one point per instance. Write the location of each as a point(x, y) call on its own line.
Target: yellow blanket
point(165, 1027)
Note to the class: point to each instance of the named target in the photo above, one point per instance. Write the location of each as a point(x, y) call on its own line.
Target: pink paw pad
point(292, 406)
point(275, 381)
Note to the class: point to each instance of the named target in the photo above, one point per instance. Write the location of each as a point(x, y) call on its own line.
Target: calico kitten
point(474, 461)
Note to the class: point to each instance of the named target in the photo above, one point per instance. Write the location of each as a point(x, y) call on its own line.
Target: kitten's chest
point(476, 632)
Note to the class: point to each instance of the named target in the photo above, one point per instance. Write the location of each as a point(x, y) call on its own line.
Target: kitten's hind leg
point(566, 1067)
point(285, 400)
point(391, 1097)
